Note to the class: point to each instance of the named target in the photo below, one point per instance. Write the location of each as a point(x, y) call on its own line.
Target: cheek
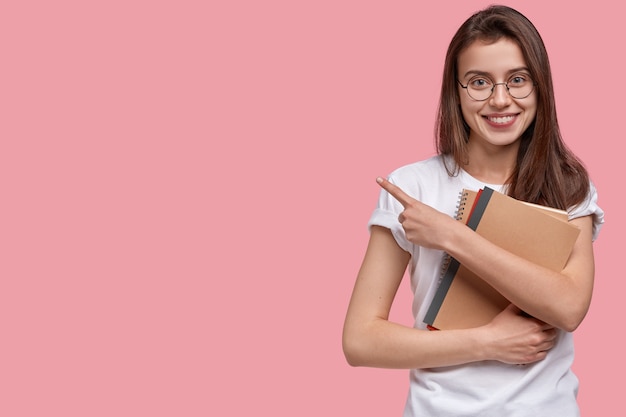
point(531, 107)
point(469, 110)
point(531, 110)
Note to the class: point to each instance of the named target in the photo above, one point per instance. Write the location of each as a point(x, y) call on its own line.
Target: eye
point(480, 83)
point(519, 80)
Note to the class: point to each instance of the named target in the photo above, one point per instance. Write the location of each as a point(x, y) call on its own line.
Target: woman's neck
point(493, 165)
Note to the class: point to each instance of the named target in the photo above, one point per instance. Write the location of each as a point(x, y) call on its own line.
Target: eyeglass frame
point(493, 87)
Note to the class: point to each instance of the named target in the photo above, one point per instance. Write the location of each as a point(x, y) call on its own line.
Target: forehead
point(496, 58)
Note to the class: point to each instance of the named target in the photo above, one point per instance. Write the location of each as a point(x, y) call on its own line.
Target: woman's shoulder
point(591, 207)
point(426, 180)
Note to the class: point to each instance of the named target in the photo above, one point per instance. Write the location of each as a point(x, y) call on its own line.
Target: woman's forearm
point(559, 298)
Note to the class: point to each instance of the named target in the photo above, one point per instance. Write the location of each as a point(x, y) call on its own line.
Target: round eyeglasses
point(480, 88)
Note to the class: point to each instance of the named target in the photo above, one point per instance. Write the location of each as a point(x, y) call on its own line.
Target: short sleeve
point(590, 207)
point(386, 215)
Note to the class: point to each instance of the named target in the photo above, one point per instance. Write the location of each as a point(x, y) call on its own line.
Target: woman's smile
point(501, 120)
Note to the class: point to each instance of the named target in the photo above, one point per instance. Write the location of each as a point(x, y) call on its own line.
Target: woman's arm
point(370, 339)
point(559, 298)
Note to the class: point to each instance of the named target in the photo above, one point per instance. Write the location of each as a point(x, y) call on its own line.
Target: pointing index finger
point(395, 191)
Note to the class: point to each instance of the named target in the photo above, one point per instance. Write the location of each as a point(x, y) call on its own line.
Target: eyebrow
point(488, 74)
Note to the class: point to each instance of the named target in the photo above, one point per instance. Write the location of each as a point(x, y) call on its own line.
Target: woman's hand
point(422, 224)
point(515, 338)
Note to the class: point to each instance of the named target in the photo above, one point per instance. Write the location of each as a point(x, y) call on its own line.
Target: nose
point(500, 96)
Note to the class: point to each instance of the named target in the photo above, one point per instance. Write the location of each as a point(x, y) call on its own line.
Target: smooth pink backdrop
point(186, 184)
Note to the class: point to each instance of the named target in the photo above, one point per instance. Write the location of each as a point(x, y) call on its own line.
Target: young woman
point(497, 127)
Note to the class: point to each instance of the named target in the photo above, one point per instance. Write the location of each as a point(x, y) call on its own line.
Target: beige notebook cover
point(539, 234)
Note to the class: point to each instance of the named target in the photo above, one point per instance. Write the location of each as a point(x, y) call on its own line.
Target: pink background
point(186, 184)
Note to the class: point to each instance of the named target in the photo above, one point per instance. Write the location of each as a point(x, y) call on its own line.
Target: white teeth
point(500, 120)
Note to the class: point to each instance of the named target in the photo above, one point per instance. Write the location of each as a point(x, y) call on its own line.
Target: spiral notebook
point(537, 233)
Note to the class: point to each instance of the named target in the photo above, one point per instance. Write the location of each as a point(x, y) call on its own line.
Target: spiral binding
point(460, 207)
point(458, 215)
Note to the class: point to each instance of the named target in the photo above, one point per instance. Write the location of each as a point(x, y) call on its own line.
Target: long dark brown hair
point(547, 172)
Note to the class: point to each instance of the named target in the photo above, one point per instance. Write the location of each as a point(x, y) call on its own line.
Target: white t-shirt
point(487, 388)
